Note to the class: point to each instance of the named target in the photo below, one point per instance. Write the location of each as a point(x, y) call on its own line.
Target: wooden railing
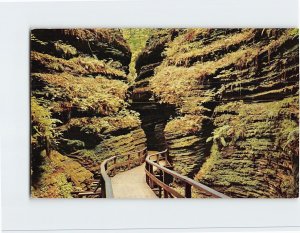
point(112, 165)
point(159, 177)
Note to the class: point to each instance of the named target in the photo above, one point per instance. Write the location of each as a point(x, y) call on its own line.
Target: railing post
point(140, 158)
point(161, 178)
point(167, 176)
point(164, 180)
point(166, 156)
point(147, 169)
point(128, 165)
point(115, 162)
point(145, 154)
point(188, 190)
point(151, 172)
point(105, 167)
point(103, 190)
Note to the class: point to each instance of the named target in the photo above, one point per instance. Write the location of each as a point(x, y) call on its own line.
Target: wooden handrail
point(107, 170)
point(161, 177)
point(162, 180)
point(106, 187)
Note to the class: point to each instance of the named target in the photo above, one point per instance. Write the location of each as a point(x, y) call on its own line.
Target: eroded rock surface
point(236, 98)
point(80, 77)
point(154, 115)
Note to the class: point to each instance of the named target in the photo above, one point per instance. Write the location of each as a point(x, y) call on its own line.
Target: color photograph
point(148, 113)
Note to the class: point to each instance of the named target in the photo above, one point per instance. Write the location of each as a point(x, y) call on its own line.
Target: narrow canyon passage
point(234, 92)
point(154, 117)
point(223, 101)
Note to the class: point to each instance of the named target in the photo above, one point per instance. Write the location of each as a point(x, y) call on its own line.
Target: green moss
point(249, 162)
point(184, 125)
point(294, 32)
point(99, 95)
point(77, 65)
point(184, 142)
point(287, 186)
point(209, 163)
point(65, 188)
point(75, 143)
point(60, 176)
point(136, 38)
point(183, 54)
point(116, 145)
point(65, 49)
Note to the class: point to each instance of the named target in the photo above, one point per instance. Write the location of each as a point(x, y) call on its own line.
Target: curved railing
point(159, 177)
point(112, 165)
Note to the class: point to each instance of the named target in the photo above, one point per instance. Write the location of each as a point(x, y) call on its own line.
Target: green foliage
point(115, 145)
point(294, 32)
point(112, 37)
point(43, 126)
point(105, 125)
point(77, 65)
point(210, 162)
point(171, 83)
point(181, 51)
point(237, 121)
point(188, 124)
point(53, 183)
point(261, 145)
point(89, 95)
point(185, 68)
point(65, 49)
point(98, 95)
point(288, 137)
point(136, 38)
point(219, 134)
point(65, 188)
point(61, 175)
point(288, 185)
point(254, 144)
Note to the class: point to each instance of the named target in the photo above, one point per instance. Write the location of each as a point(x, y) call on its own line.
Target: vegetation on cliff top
point(136, 38)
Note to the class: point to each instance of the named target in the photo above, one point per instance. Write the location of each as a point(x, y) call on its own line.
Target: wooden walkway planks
point(132, 184)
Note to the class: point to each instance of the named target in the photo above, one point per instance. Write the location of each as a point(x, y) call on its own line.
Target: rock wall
point(153, 114)
point(236, 98)
point(224, 101)
point(80, 76)
point(60, 176)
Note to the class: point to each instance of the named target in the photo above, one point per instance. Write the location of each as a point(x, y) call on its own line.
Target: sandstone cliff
point(152, 114)
point(235, 92)
point(79, 80)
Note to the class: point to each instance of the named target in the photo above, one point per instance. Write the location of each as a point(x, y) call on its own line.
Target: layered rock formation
point(79, 77)
point(224, 101)
point(236, 95)
point(60, 176)
point(153, 114)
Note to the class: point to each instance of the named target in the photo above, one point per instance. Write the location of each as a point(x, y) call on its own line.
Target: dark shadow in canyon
point(154, 117)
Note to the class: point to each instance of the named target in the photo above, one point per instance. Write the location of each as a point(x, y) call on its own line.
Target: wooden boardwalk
point(154, 166)
point(132, 184)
